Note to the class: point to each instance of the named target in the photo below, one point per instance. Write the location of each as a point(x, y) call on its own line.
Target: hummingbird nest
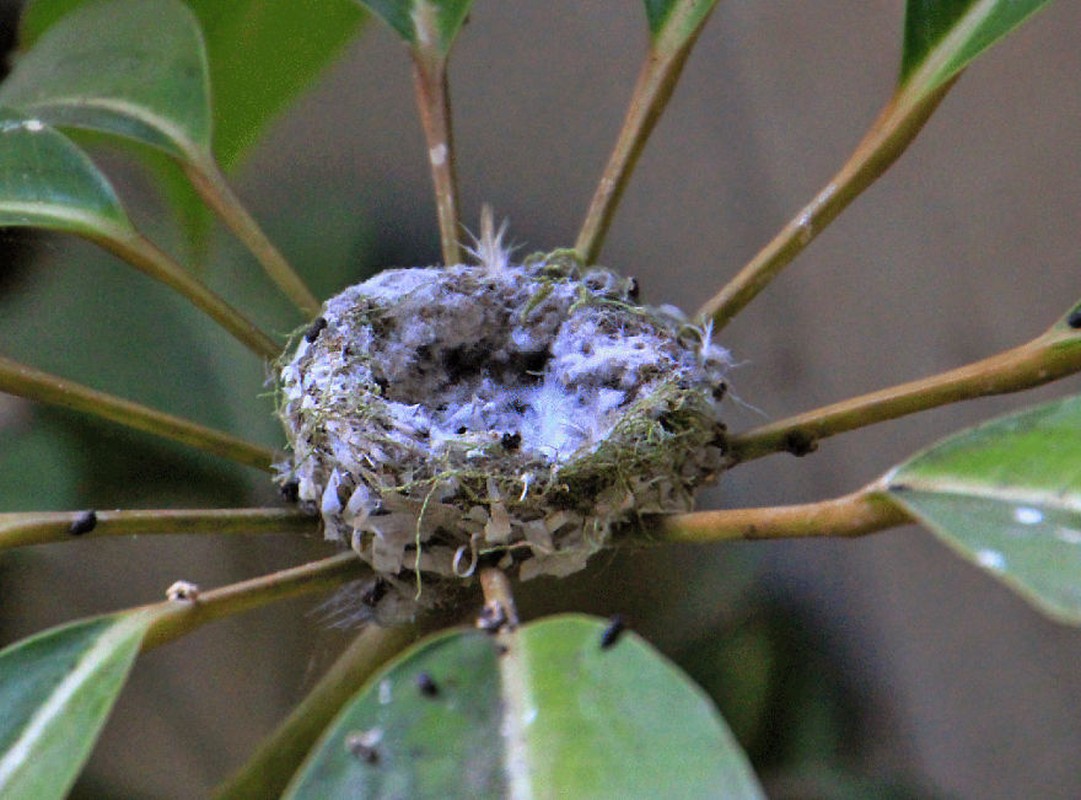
point(522, 412)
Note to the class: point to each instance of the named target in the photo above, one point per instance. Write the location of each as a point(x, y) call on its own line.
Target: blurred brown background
point(966, 247)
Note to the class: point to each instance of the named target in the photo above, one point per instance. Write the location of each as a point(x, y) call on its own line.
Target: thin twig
point(433, 102)
point(894, 129)
point(147, 257)
point(1053, 355)
point(211, 185)
point(656, 80)
point(41, 527)
point(175, 618)
point(866, 511)
point(498, 598)
point(268, 772)
point(24, 381)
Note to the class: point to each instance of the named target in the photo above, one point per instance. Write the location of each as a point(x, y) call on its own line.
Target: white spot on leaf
point(1028, 516)
point(991, 559)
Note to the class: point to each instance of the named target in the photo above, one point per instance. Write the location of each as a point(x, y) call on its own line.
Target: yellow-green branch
point(890, 135)
point(268, 772)
point(24, 381)
point(176, 618)
point(656, 80)
point(866, 511)
point(215, 191)
point(42, 527)
point(1053, 355)
point(145, 256)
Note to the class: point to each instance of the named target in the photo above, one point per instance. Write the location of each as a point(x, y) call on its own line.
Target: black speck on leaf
point(611, 634)
point(427, 686)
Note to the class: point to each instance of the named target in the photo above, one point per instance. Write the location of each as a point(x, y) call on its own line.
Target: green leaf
point(48, 182)
point(423, 23)
point(56, 690)
point(943, 36)
point(555, 716)
point(678, 18)
point(135, 68)
point(262, 54)
point(1007, 496)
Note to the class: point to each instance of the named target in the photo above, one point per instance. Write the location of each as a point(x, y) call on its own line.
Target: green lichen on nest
point(444, 413)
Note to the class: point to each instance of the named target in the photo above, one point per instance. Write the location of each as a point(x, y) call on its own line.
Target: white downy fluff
point(517, 410)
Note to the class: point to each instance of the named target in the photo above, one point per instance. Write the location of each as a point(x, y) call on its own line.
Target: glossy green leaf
point(943, 36)
point(423, 23)
point(1007, 496)
point(48, 182)
point(56, 690)
point(680, 18)
point(135, 68)
point(555, 716)
point(262, 54)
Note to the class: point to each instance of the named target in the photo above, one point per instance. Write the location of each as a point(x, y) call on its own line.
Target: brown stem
point(894, 129)
point(433, 102)
point(657, 79)
point(18, 379)
point(145, 256)
point(25, 528)
point(175, 618)
point(1047, 358)
point(866, 511)
point(498, 598)
point(214, 189)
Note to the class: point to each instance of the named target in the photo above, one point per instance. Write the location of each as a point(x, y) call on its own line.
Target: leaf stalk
point(269, 771)
point(889, 136)
point(148, 258)
point(433, 103)
point(18, 529)
point(867, 511)
point(24, 381)
point(176, 618)
point(1053, 355)
point(208, 181)
point(657, 79)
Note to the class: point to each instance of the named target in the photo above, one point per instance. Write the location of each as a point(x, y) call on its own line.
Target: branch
point(657, 79)
point(857, 514)
point(23, 381)
point(889, 136)
point(25, 528)
point(176, 618)
point(1051, 356)
point(211, 185)
point(433, 102)
point(499, 607)
point(279, 756)
point(145, 256)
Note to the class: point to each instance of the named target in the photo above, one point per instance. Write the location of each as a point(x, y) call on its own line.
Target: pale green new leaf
point(56, 691)
point(134, 68)
point(48, 182)
point(423, 23)
point(1007, 496)
point(555, 716)
point(943, 36)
